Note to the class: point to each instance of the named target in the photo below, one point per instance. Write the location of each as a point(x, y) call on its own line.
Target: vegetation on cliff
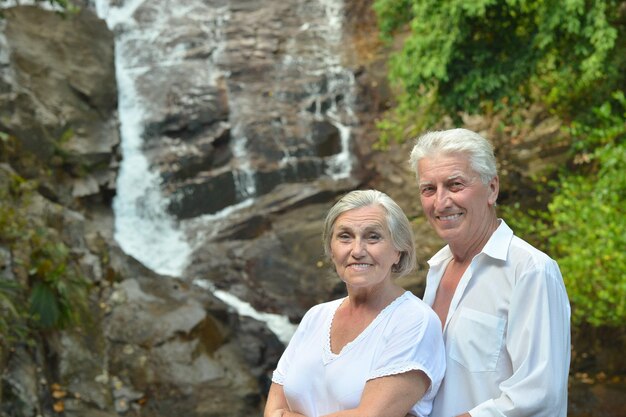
point(499, 57)
point(41, 288)
point(61, 4)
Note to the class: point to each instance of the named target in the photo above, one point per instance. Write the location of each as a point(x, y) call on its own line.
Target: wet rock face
point(240, 96)
point(167, 342)
point(59, 96)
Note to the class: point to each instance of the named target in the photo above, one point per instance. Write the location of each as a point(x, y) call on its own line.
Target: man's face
point(455, 201)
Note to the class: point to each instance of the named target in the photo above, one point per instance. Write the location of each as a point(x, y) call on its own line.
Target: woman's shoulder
point(322, 309)
point(414, 311)
point(413, 302)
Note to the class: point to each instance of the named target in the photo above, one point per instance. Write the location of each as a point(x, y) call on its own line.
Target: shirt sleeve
point(415, 343)
point(538, 343)
point(278, 376)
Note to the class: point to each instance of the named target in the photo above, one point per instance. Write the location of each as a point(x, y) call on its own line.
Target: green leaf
point(44, 306)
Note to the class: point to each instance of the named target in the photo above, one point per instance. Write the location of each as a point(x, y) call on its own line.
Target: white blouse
point(405, 336)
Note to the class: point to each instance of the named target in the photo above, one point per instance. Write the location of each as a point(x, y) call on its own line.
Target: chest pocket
point(477, 340)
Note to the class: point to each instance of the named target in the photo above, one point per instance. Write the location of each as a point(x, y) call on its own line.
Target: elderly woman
point(377, 352)
point(502, 302)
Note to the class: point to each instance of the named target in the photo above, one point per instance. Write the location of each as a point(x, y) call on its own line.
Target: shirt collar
point(497, 246)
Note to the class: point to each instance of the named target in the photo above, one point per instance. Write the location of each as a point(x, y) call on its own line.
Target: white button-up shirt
point(507, 333)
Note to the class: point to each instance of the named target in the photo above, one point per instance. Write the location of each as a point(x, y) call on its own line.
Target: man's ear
point(494, 189)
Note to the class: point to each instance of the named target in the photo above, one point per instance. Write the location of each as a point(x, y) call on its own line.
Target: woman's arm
point(388, 396)
point(276, 404)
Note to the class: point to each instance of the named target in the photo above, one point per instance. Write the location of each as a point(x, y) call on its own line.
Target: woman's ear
point(396, 264)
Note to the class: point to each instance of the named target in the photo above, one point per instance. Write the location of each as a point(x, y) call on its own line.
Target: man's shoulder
point(528, 261)
point(521, 248)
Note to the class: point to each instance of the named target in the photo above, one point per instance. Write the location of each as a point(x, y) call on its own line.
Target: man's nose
point(442, 198)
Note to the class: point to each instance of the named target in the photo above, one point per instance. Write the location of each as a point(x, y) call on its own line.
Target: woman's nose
point(358, 248)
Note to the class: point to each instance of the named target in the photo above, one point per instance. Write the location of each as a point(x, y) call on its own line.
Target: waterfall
point(244, 175)
point(143, 227)
point(326, 25)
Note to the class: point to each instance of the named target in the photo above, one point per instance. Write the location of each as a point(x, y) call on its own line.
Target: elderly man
point(502, 303)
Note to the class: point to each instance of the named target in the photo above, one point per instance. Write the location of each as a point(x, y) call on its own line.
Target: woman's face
point(455, 200)
point(361, 247)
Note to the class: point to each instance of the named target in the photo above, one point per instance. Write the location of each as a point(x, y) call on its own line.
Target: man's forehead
point(456, 174)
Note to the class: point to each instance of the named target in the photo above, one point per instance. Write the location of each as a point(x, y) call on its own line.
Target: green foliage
point(392, 14)
point(58, 291)
point(602, 126)
point(41, 288)
point(583, 226)
point(44, 305)
point(590, 239)
point(12, 317)
point(492, 55)
point(61, 6)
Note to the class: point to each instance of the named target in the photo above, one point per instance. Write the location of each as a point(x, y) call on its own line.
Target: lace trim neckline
point(329, 354)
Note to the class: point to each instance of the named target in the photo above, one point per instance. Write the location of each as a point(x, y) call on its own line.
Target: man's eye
point(374, 236)
point(455, 186)
point(427, 190)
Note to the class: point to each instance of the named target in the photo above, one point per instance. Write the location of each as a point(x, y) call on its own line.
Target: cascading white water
point(244, 176)
point(143, 228)
point(340, 80)
point(278, 324)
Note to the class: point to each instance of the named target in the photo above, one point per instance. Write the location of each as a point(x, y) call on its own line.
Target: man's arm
point(538, 342)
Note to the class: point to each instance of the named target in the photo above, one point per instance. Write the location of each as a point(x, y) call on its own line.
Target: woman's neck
point(373, 298)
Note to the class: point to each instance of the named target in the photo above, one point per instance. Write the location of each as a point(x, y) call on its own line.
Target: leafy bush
point(495, 55)
point(583, 225)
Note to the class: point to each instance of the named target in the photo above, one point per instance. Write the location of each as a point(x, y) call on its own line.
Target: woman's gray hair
point(457, 141)
point(397, 223)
